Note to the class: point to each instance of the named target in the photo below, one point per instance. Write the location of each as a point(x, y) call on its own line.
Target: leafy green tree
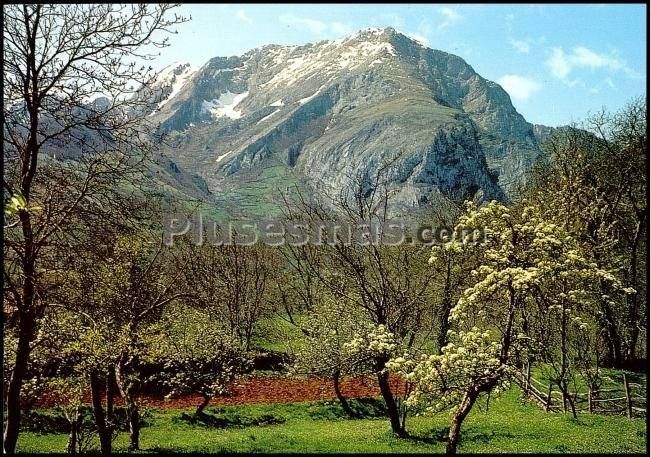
point(197, 356)
point(138, 282)
point(324, 350)
point(64, 355)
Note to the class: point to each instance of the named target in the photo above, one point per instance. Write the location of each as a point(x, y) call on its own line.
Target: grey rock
point(331, 111)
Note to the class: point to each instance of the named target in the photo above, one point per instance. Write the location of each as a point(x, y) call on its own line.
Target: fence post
point(548, 397)
point(628, 400)
point(527, 376)
point(589, 405)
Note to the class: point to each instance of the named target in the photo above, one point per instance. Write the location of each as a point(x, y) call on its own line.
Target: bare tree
point(593, 181)
point(233, 284)
point(72, 134)
point(367, 267)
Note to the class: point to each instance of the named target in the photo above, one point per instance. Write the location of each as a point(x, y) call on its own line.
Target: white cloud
point(519, 87)
point(520, 45)
point(242, 16)
point(586, 57)
point(314, 25)
point(451, 17)
point(561, 64)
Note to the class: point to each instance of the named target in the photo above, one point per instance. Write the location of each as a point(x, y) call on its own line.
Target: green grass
point(258, 194)
point(612, 378)
point(509, 426)
point(278, 334)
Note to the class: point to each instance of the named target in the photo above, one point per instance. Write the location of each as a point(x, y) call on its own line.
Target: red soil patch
point(271, 389)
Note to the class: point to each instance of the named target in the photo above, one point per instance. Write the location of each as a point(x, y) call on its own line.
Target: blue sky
point(557, 62)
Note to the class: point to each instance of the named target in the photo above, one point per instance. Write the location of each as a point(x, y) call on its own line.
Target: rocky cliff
point(328, 112)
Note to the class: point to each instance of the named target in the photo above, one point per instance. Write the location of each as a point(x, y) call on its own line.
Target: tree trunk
point(201, 407)
point(391, 404)
point(445, 311)
point(611, 333)
point(336, 377)
point(27, 325)
point(110, 394)
point(73, 439)
point(26, 303)
point(459, 416)
point(103, 429)
point(572, 405)
point(133, 415)
point(443, 337)
point(131, 406)
point(633, 300)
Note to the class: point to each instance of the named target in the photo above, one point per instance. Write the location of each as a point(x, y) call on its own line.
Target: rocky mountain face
point(330, 112)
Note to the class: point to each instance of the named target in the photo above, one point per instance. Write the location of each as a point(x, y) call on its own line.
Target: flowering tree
point(373, 348)
point(67, 396)
point(68, 349)
point(467, 368)
point(528, 269)
point(208, 377)
point(593, 181)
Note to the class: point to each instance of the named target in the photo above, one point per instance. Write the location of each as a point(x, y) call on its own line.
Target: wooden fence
point(629, 399)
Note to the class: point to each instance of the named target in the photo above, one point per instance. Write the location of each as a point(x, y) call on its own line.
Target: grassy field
point(611, 378)
point(509, 426)
point(277, 334)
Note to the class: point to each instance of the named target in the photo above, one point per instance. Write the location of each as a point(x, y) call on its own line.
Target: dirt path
point(270, 389)
point(277, 389)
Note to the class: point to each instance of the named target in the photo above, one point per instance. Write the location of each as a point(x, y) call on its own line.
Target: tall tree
point(531, 279)
point(139, 279)
point(232, 283)
point(72, 133)
point(359, 259)
point(592, 181)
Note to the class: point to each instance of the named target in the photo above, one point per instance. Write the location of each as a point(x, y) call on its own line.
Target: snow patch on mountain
point(175, 75)
point(302, 101)
point(223, 156)
point(225, 105)
point(267, 117)
point(349, 53)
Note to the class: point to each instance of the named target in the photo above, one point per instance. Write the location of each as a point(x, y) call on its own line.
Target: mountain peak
point(332, 108)
point(370, 34)
point(364, 42)
point(373, 32)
